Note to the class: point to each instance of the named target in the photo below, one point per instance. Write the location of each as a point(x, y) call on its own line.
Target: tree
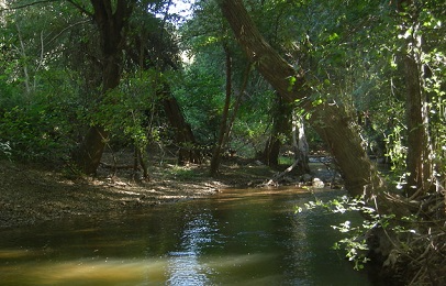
point(38, 105)
point(112, 20)
point(329, 119)
point(419, 156)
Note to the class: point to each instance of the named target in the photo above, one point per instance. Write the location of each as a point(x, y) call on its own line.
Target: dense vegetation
point(364, 77)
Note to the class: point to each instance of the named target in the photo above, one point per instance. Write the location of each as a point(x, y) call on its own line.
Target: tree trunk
point(419, 161)
point(300, 144)
point(270, 155)
point(112, 24)
point(281, 126)
point(88, 156)
point(189, 151)
point(329, 119)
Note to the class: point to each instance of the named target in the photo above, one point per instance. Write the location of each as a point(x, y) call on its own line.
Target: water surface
point(239, 237)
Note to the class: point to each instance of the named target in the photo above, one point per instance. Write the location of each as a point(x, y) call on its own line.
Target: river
point(238, 237)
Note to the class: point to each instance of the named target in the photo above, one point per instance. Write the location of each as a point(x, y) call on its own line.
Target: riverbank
point(31, 193)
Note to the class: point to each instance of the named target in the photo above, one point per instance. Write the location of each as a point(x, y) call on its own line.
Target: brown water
point(240, 237)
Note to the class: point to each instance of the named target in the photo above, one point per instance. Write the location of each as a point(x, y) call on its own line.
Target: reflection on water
point(241, 237)
point(184, 266)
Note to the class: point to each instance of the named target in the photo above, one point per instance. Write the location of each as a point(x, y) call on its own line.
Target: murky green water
point(240, 237)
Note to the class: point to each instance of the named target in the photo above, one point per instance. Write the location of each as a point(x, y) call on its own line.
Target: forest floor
point(31, 193)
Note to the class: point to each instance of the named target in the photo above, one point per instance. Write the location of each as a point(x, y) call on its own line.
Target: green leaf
point(317, 102)
point(292, 82)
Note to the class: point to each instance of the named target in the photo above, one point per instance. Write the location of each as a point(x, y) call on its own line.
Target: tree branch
point(67, 28)
point(82, 9)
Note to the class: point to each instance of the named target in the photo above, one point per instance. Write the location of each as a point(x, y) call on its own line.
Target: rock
point(317, 183)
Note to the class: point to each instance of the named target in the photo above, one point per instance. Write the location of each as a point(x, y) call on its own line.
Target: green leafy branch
point(355, 241)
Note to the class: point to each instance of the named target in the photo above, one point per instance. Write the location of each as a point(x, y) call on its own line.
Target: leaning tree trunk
point(188, 151)
point(112, 24)
point(329, 120)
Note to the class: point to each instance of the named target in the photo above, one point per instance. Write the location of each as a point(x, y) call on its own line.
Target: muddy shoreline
point(31, 193)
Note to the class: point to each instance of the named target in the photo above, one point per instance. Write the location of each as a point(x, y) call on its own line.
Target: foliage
point(39, 101)
point(51, 80)
point(34, 132)
point(355, 243)
point(127, 110)
point(41, 125)
point(200, 95)
point(415, 240)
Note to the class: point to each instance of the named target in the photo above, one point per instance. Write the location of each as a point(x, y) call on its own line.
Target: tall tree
point(111, 18)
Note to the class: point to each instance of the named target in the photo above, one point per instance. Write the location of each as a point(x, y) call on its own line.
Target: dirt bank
point(31, 193)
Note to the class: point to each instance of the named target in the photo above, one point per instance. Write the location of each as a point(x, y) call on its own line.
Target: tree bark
point(419, 161)
point(88, 156)
point(329, 119)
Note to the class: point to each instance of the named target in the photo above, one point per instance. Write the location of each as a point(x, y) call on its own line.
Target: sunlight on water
point(187, 270)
